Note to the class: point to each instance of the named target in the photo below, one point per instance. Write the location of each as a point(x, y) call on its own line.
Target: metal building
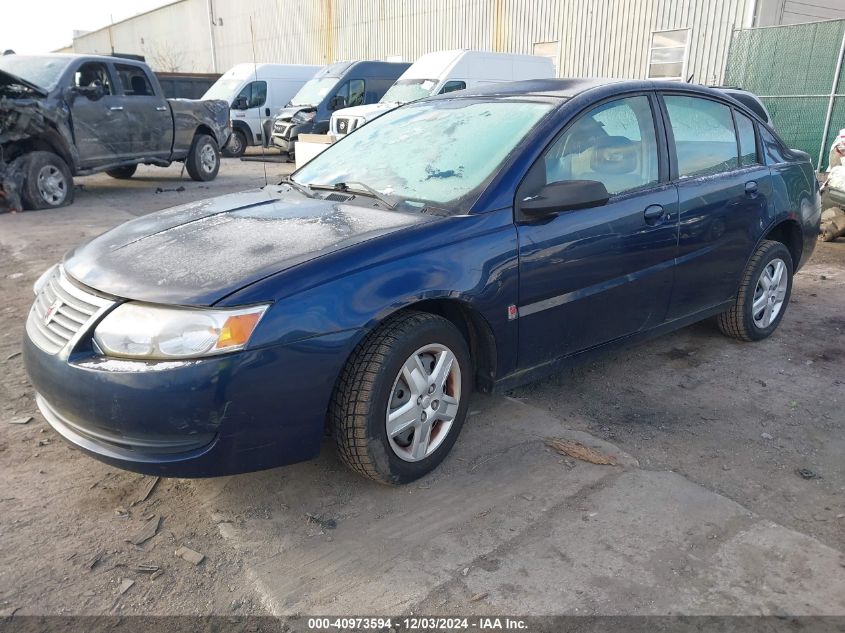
point(682, 39)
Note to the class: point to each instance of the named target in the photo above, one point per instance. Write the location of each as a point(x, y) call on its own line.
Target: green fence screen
point(793, 70)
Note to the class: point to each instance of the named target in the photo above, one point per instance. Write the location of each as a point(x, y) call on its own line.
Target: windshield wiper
point(304, 189)
point(365, 190)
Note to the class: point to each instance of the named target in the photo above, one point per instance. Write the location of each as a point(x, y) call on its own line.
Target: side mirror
point(240, 103)
point(338, 102)
point(565, 196)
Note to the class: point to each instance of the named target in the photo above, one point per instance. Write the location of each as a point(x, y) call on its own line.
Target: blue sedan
point(473, 241)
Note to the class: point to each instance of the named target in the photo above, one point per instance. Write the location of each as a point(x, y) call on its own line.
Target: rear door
point(589, 276)
point(724, 190)
point(99, 125)
point(149, 121)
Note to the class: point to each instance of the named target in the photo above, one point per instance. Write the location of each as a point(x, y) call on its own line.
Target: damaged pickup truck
point(72, 115)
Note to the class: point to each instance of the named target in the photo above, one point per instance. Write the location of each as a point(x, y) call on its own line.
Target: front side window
point(255, 94)
point(356, 93)
point(615, 144)
point(93, 73)
point(747, 140)
point(453, 86)
point(705, 142)
point(440, 153)
point(667, 57)
point(134, 81)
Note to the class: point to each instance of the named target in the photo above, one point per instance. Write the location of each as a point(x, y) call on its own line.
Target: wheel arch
point(243, 127)
point(788, 232)
point(48, 142)
point(470, 323)
point(204, 129)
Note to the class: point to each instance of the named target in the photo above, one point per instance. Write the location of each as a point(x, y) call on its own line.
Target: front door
point(724, 189)
point(589, 276)
point(149, 121)
point(253, 97)
point(99, 124)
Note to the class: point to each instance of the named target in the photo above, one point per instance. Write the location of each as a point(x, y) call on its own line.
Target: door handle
point(266, 111)
point(161, 108)
point(116, 108)
point(751, 188)
point(654, 213)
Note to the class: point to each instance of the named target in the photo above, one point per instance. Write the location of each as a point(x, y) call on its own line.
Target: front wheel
point(763, 294)
point(236, 146)
point(48, 183)
point(203, 161)
point(402, 398)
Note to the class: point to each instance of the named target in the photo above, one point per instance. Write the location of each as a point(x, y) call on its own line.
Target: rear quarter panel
point(190, 115)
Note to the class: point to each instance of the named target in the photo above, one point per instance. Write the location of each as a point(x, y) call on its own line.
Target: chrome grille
point(62, 312)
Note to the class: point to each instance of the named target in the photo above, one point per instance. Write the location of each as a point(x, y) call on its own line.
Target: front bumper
point(217, 416)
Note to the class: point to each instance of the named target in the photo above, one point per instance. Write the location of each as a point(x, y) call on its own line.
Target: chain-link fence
point(798, 72)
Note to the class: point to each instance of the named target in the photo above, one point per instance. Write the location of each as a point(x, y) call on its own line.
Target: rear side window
point(747, 140)
point(134, 81)
point(705, 141)
point(771, 148)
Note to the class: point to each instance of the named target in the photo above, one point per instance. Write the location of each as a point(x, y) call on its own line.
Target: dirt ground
point(712, 434)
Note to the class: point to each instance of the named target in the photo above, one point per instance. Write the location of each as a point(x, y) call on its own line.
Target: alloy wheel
point(769, 294)
point(423, 403)
point(51, 184)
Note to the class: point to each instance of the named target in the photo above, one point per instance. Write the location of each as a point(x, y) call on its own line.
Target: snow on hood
point(197, 253)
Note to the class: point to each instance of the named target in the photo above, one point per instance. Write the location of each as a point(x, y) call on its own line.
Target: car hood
point(198, 253)
point(8, 79)
point(287, 113)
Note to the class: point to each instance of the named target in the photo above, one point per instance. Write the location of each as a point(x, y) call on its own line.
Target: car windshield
point(439, 153)
point(224, 88)
point(314, 91)
point(407, 90)
point(43, 71)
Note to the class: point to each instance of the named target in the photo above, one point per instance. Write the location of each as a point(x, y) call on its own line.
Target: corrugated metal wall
point(597, 37)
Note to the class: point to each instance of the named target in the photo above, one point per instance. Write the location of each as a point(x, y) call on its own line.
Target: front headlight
point(303, 116)
point(137, 330)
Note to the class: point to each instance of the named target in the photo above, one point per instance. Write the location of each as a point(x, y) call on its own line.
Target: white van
point(256, 92)
point(441, 72)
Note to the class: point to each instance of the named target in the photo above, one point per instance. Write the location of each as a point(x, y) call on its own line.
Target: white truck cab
point(441, 72)
point(256, 92)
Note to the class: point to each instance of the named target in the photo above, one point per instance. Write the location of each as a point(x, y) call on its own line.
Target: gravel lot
point(710, 434)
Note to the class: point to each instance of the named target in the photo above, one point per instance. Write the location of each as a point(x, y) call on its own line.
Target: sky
point(40, 26)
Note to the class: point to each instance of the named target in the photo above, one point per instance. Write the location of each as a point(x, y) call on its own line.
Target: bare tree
point(166, 58)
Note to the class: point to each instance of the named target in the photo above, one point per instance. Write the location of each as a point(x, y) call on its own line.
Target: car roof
point(568, 88)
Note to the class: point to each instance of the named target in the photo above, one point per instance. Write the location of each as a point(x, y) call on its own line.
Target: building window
point(548, 49)
point(667, 57)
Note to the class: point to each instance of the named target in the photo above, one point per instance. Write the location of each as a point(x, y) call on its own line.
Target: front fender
point(469, 259)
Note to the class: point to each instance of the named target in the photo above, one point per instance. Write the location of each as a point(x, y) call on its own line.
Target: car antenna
point(260, 118)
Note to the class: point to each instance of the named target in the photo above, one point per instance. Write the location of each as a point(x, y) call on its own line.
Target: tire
point(203, 161)
point(123, 173)
point(742, 320)
point(236, 146)
point(372, 383)
point(48, 183)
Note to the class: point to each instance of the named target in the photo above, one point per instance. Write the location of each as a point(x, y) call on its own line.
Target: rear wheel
point(763, 294)
point(123, 173)
point(402, 398)
point(48, 183)
point(203, 161)
point(236, 146)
